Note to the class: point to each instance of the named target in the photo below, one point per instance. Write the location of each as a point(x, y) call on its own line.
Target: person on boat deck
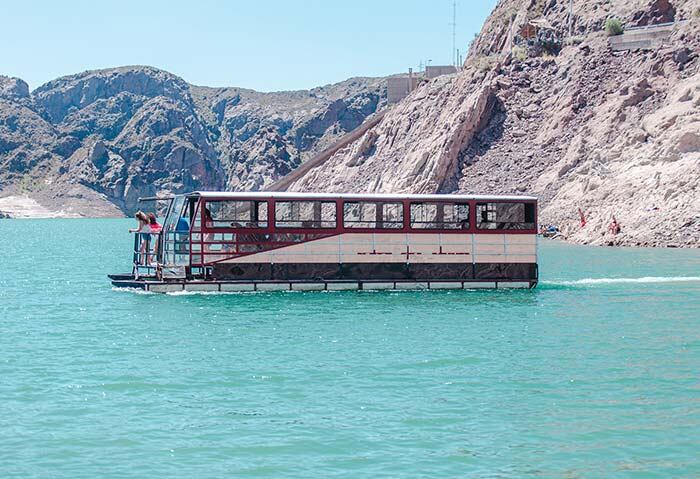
point(144, 231)
point(156, 228)
point(182, 237)
point(208, 223)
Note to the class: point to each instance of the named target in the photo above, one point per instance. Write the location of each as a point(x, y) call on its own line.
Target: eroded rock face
point(386, 159)
point(13, 88)
point(612, 133)
point(69, 94)
point(28, 143)
point(658, 11)
point(138, 131)
point(263, 136)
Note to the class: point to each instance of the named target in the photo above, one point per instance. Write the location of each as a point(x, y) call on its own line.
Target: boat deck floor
point(171, 286)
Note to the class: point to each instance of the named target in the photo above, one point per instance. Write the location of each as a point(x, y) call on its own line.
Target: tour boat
point(218, 241)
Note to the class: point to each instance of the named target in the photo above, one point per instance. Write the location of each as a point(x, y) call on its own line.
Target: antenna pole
point(454, 33)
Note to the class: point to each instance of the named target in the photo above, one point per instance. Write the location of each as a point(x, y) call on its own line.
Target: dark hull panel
point(338, 277)
point(375, 272)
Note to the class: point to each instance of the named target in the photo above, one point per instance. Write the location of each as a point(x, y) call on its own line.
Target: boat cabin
point(217, 241)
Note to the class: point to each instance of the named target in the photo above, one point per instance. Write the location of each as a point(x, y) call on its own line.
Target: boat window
point(505, 216)
point(175, 212)
point(305, 214)
point(373, 214)
point(443, 216)
point(236, 214)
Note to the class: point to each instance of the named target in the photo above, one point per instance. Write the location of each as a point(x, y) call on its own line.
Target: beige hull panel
point(403, 248)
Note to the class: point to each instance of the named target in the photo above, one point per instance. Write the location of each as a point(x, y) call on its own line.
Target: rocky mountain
point(94, 142)
point(575, 123)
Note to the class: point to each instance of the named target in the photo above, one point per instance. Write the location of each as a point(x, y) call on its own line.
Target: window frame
point(198, 202)
point(443, 203)
point(273, 212)
point(401, 225)
point(255, 201)
point(526, 203)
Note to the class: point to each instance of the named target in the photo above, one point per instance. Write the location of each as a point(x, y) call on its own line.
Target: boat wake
point(642, 280)
point(130, 290)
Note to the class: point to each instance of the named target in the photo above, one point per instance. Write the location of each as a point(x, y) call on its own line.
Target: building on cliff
point(399, 87)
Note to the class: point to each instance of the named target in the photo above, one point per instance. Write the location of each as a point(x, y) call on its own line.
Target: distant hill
point(92, 143)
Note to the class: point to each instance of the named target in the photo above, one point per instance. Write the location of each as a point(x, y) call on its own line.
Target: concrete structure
point(399, 87)
point(434, 71)
point(643, 38)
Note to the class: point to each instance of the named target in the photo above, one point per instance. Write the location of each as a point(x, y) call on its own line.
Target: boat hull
point(155, 286)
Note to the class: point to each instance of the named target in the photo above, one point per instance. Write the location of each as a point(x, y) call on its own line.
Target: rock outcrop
point(87, 142)
point(612, 133)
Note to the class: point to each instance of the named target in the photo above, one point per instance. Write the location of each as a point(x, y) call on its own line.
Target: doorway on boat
point(176, 237)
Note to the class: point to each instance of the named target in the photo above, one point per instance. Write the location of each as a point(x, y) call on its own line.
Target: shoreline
point(23, 206)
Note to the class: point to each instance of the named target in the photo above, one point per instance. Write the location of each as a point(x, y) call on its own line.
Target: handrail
point(648, 27)
point(155, 198)
point(143, 253)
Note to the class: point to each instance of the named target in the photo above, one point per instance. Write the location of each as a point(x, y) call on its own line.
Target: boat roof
point(353, 196)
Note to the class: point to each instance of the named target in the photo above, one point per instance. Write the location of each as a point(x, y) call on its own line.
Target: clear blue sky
point(265, 45)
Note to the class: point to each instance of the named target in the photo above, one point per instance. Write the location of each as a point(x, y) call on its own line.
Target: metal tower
point(454, 33)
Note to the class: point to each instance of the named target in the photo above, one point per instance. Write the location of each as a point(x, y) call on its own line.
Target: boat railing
point(145, 253)
point(176, 248)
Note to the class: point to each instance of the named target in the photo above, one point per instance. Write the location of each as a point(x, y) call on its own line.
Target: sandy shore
point(21, 206)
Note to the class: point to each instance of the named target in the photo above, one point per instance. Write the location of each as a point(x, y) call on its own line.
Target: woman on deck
point(144, 231)
point(156, 228)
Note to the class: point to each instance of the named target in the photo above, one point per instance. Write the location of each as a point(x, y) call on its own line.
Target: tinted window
point(373, 214)
point(505, 216)
point(236, 214)
point(440, 215)
point(305, 214)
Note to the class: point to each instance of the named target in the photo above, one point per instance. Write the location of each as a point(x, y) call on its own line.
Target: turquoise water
point(594, 374)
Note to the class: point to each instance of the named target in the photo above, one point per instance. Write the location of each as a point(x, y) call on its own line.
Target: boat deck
point(156, 286)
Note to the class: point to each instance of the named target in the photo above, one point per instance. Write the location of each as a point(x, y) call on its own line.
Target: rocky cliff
point(94, 142)
point(576, 124)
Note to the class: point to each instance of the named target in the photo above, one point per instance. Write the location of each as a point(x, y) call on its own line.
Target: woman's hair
point(152, 218)
point(141, 216)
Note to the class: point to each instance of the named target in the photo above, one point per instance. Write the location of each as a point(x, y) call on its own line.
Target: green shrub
point(696, 13)
point(519, 53)
point(485, 63)
point(613, 27)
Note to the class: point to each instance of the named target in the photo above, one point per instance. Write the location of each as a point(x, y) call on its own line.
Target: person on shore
point(144, 232)
point(614, 227)
point(156, 228)
point(582, 218)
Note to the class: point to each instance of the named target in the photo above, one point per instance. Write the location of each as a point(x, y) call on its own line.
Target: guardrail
point(145, 252)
